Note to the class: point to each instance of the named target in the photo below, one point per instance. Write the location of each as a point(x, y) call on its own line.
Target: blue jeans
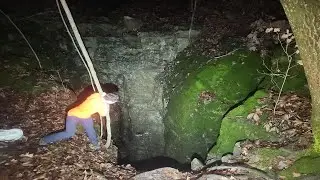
point(71, 128)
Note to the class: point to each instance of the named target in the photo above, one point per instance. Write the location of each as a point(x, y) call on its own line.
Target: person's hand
point(110, 98)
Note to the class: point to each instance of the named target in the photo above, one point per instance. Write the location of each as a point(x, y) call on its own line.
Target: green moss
point(316, 146)
point(268, 155)
point(235, 127)
point(248, 106)
point(192, 124)
point(315, 123)
point(309, 165)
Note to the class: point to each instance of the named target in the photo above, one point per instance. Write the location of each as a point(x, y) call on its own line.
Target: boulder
point(200, 92)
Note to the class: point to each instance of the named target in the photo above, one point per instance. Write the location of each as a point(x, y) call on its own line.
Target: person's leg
point(89, 128)
point(71, 127)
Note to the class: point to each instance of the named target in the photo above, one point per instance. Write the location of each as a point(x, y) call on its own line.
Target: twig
point(264, 64)
point(282, 85)
point(192, 17)
point(274, 82)
point(45, 13)
point(62, 82)
point(272, 74)
point(35, 54)
point(231, 52)
point(288, 39)
point(289, 57)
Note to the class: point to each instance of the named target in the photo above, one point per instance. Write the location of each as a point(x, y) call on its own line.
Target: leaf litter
point(38, 115)
point(290, 121)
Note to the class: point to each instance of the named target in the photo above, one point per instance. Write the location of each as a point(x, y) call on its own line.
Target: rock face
point(136, 64)
point(201, 91)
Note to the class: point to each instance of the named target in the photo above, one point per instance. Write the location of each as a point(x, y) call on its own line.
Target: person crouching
point(82, 114)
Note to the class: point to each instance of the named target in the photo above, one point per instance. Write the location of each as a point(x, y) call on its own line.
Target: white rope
point(74, 44)
point(90, 66)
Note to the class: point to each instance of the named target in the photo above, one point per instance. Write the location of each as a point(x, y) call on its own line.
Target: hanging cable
point(75, 45)
point(90, 67)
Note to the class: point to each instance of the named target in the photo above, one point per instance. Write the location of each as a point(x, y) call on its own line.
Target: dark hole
point(155, 163)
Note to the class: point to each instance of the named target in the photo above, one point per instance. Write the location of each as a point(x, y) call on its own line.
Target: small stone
point(227, 158)
point(19, 175)
point(14, 161)
point(196, 165)
point(213, 177)
point(282, 165)
point(160, 174)
point(296, 174)
point(212, 159)
point(237, 149)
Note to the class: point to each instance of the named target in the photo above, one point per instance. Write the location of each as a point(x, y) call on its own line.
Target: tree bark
point(304, 18)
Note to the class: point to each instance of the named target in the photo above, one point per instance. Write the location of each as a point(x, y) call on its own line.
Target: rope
point(90, 67)
point(75, 45)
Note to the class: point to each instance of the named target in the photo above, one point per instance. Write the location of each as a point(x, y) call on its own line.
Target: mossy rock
point(307, 165)
point(203, 90)
point(235, 127)
point(266, 157)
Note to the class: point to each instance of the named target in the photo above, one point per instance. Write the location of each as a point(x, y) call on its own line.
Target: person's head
point(110, 98)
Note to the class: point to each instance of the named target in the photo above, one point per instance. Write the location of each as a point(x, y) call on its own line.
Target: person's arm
point(108, 99)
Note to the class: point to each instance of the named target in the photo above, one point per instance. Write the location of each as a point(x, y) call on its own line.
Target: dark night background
point(258, 8)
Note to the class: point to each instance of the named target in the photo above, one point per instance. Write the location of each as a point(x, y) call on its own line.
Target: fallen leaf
point(256, 118)
point(294, 174)
point(250, 116)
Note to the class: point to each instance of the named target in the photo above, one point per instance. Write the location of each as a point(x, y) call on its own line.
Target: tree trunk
point(304, 17)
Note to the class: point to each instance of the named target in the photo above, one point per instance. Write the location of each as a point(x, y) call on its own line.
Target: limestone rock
point(165, 173)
